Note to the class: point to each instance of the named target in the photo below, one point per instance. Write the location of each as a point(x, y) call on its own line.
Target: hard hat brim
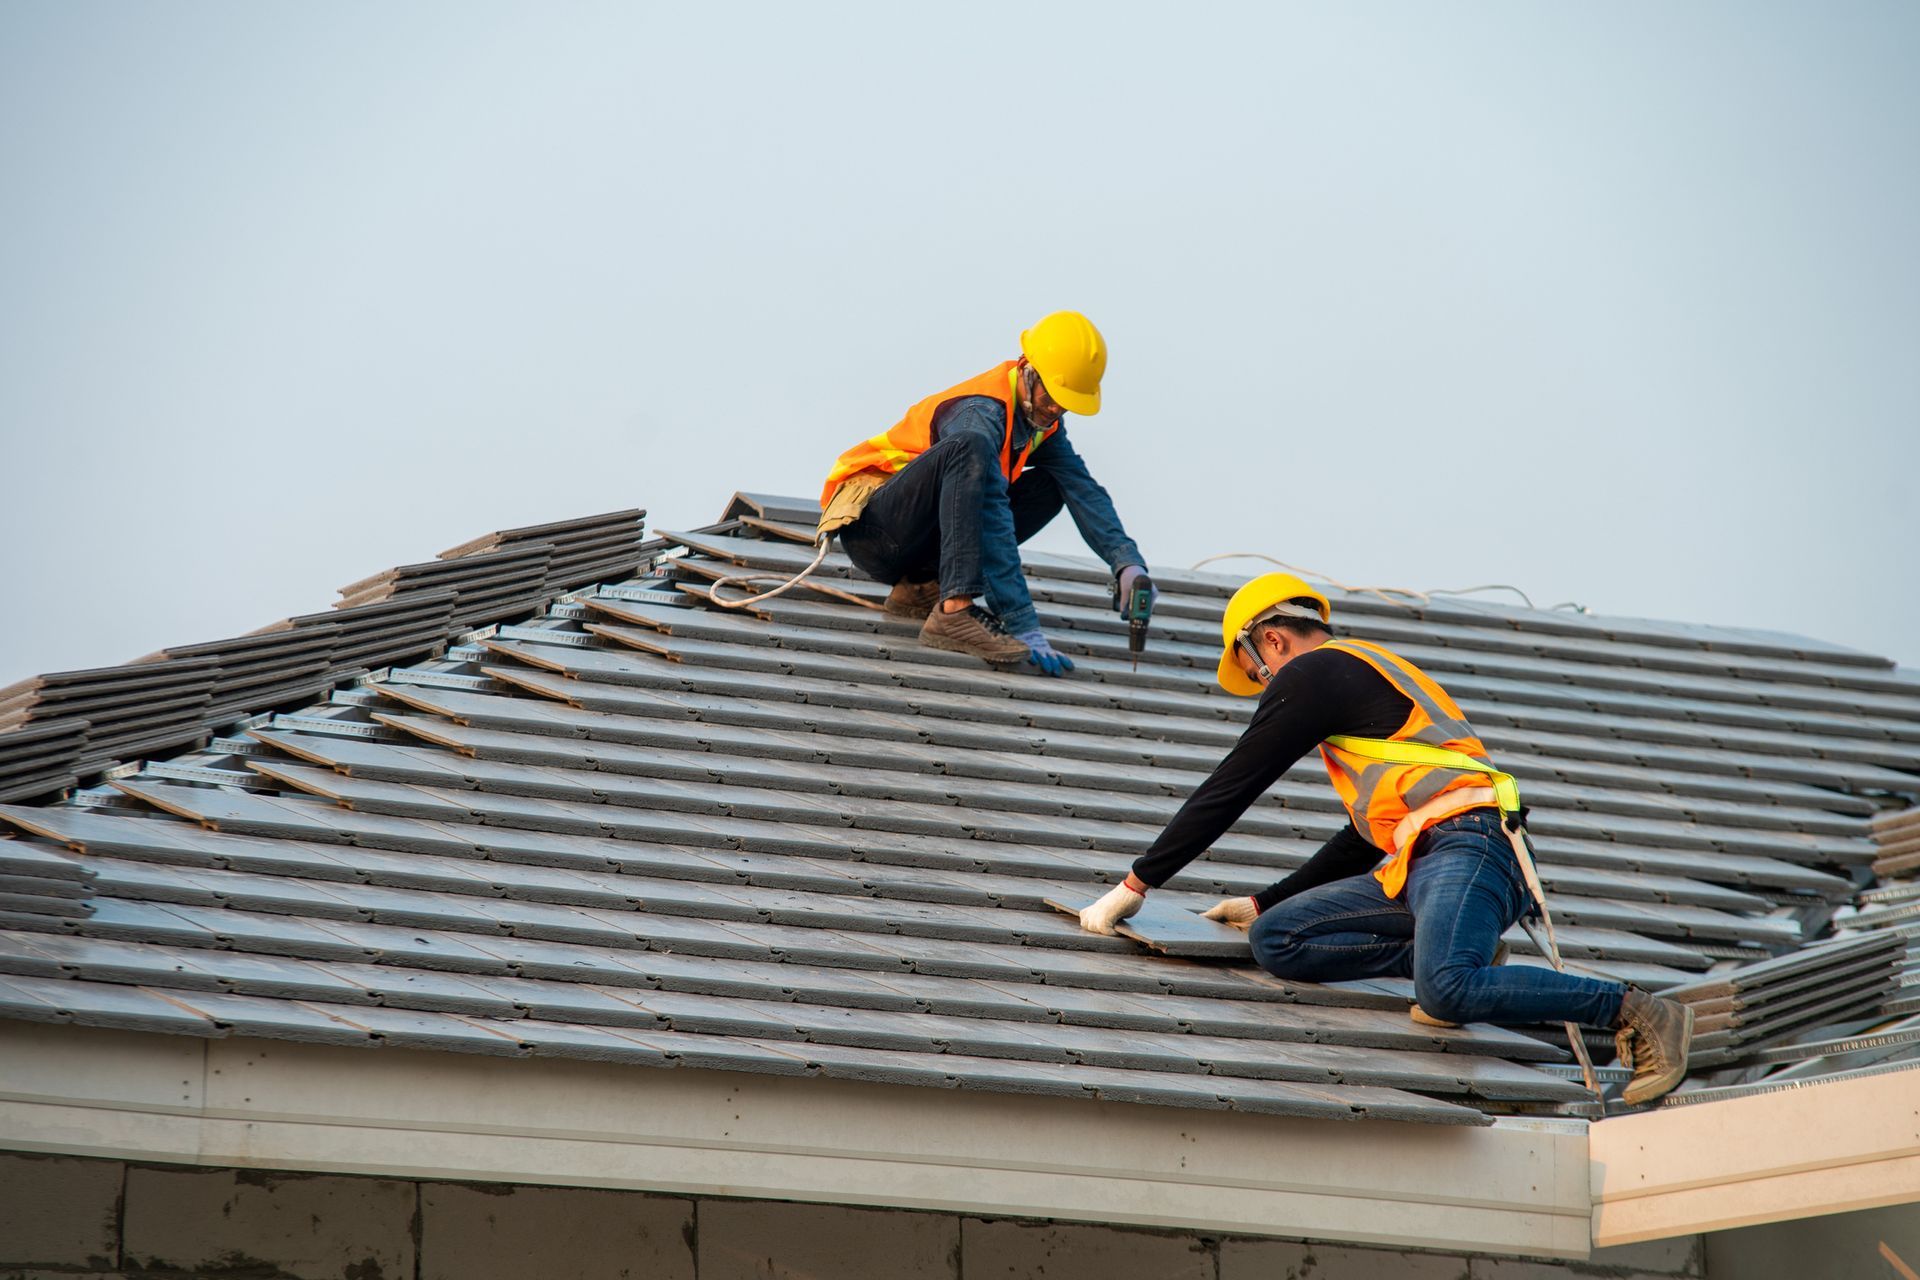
point(1233, 679)
point(1077, 402)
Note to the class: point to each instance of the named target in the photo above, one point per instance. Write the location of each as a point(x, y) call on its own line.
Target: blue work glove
point(1043, 655)
point(1125, 593)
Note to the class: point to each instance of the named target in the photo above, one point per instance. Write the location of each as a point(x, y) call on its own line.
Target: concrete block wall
point(106, 1220)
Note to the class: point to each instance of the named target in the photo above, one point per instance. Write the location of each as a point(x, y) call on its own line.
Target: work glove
point(1238, 912)
point(1119, 902)
point(1125, 593)
point(1043, 655)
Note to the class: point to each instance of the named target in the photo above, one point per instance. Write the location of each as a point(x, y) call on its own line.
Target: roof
point(620, 824)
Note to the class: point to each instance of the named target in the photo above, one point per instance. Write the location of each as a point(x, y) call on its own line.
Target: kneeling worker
point(941, 501)
point(1452, 880)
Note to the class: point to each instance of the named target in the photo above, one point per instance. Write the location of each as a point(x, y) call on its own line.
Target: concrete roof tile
point(795, 841)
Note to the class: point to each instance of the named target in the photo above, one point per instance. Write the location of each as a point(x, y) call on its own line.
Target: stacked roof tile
point(1763, 1002)
point(121, 711)
point(510, 572)
point(57, 729)
point(644, 829)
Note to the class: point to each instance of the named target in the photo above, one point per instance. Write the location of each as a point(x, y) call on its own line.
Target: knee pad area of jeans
point(1271, 935)
point(1264, 926)
point(1442, 991)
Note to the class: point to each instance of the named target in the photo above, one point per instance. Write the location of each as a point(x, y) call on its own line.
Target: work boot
point(913, 599)
point(1653, 1039)
point(973, 631)
point(1426, 1019)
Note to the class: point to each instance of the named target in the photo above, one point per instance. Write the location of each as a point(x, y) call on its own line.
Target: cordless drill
point(1137, 609)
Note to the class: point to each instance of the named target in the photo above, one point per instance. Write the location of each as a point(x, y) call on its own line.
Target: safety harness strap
point(1396, 751)
point(1507, 793)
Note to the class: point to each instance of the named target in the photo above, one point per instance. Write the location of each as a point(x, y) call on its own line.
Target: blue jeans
point(950, 514)
point(1463, 890)
point(924, 523)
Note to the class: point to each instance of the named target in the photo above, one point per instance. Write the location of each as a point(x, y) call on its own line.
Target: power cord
point(1406, 597)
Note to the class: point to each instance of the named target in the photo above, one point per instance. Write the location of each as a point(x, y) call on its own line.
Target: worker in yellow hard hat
point(1433, 865)
point(940, 502)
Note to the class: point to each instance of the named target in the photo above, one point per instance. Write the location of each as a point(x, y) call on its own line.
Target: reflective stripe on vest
point(912, 436)
point(1380, 793)
point(1506, 793)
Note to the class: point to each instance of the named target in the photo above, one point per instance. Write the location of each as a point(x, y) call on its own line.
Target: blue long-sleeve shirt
point(1087, 501)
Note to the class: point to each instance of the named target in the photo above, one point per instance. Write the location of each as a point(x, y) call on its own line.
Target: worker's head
point(1274, 640)
point(1269, 622)
point(1039, 407)
point(1068, 357)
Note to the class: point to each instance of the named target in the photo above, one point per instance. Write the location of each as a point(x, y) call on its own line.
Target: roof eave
point(1829, 1146)
point(1515, 1187)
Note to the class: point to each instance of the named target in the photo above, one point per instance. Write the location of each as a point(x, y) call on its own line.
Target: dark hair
point(1306, 627)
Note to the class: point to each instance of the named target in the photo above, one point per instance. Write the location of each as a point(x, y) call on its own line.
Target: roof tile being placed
point(638, 828)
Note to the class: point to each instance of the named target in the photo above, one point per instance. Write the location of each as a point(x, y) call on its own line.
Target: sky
point(1619, 303)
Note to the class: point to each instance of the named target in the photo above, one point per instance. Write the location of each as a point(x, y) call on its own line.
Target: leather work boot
point(972, 631)
point(1653, 1039)
point(1426, 1019)
point(913, 599)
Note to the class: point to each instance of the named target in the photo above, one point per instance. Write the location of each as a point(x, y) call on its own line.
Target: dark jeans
point(924, 523)
point(1463, 891)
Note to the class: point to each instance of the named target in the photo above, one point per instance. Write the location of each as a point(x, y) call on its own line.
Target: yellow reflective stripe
point(1399, 752)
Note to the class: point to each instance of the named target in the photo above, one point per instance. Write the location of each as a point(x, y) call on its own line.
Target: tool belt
point(848, 502)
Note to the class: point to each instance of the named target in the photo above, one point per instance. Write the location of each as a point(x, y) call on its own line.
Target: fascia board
point(1517, 1187)
point(1827, 1147)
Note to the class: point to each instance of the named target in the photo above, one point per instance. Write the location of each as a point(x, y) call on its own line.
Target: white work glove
point(1238, 912)
point(1119, 902)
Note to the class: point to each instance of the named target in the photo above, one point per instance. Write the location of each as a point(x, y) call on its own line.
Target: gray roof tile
point(101, 1004)
point(792, 840)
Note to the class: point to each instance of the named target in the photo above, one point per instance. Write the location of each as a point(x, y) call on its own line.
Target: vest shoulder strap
point(1389, 664)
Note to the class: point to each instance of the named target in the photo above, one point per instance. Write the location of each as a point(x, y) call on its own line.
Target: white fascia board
point(1519, 1186)
point(1825, 1147)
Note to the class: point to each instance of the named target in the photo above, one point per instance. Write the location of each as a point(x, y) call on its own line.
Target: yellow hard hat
point(1071, 357)
point(1265, 593)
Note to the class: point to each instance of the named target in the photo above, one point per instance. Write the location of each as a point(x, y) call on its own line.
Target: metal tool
point(1137, 609)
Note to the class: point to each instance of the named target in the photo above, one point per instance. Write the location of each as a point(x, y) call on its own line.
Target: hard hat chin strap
point(1252, 650)
point(1284, 609)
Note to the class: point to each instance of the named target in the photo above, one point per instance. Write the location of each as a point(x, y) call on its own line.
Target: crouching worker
point(1424, 879)
point(940, 502)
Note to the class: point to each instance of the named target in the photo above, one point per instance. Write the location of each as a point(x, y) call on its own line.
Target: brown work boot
point(913, 599)
point(1426, 1019)
point(1653, 1039)
point(972, 631)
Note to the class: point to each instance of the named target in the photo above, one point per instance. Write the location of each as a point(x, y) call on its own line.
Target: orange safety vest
point(907, 439)
point(1381, 797)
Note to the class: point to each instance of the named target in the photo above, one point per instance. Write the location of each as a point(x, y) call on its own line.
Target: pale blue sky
point(1618, 302)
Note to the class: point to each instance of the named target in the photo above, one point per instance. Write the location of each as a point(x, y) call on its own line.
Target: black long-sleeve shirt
point(1317, 695)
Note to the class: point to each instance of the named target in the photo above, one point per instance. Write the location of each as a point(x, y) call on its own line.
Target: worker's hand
point(1238, 912)
point(1119, 902)
point(1127, 577)
point(1043, 655)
